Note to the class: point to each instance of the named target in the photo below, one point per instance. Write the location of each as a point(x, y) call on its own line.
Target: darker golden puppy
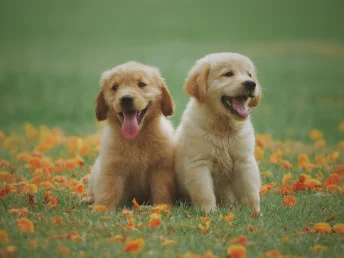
point(136, 155)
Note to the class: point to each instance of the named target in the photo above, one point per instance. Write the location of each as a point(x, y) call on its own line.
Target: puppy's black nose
point(250, 85)
point(127, 101)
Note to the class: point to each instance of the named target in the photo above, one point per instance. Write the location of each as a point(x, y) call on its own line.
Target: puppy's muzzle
point(127, 102)
point(250, 86)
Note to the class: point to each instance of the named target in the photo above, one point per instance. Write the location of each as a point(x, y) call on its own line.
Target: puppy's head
point(227, 82)
point(133, 93)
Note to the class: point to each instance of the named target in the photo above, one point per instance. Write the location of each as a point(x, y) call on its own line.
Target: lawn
point(51, 58)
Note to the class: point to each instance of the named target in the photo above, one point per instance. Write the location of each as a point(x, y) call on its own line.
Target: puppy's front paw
point(87, 200)
point(208, 207)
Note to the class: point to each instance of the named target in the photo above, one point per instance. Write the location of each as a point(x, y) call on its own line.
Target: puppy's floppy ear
point(101, 108)
point(196, 83)
point(167, 105)
point(255, 101)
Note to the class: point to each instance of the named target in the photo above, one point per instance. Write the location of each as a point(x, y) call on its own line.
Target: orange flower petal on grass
point(332, 188)
point(239, 240)
point(204, 228)
point(2, 135)
point(339, 228)
point(64, 250)
point(134, 246)
point(333, 156)
point(32, 244)
point(166, 241)
point(259, 153)
point(74, 236)
point(236, 251)
point(115, 238)
point(155, 220)
point(272, 253)
point(19, 212)
point(286, 165)
point(289, 201)
point(9, 251)
point(322, 227)
point(3, 236)
point(229, 217)
point(29, 189)
point(266, 188)
point(160, 208)
point(136, 205)
point(127, 213)
point(316, 134)
point(333, 179)
point(275, 157)
point(255, 214)
point(5, 176)
point(5, 191)
point(320, 144)
point(99, 208)
point(318, 248)
point(25, 225)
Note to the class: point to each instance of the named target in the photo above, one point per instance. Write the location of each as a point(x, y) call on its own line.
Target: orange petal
point(289, 201)
point(3, 236)
point(64, 250)
point(99, 208)
point(19, 212)
point(338, 228)
point(236, 251)
point(25, 225)
point(272, 253)
point(155, 220)
point(322, 227)
point(239, 240)
point(134, 246)
point(318, 248)
point(136, 205)
point(229, 217)
point(204, 228)
point(116, 238)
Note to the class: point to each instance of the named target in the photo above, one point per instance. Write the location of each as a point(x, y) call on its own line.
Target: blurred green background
point(53, 52)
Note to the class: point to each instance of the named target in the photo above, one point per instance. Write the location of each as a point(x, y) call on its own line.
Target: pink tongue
point(130, 127)
point(239, 105)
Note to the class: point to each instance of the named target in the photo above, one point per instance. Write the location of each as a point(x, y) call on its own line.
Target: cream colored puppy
point(214, 156)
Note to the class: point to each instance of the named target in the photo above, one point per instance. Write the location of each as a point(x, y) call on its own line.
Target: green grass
point(51, 58)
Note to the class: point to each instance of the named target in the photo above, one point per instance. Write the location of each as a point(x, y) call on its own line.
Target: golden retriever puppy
point(136, 155)
point(214, 155)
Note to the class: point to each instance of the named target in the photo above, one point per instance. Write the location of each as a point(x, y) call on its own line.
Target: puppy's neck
point(219, 124)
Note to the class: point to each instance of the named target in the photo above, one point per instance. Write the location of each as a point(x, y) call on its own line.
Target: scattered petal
point(322, 227)
point(236, 251)
point(25, 225)
point(134, 246)
point(339, 228)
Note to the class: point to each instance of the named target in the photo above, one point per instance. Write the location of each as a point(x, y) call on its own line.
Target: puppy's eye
point(114, 88)
point(142, 84)
point(228, 74)
point(250, 75)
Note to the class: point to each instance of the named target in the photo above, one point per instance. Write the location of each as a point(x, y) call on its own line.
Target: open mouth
point(139, 114)
point(131, 120)
point(236, 105)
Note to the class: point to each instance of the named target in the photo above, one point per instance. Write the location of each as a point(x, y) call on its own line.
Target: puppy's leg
point(109, 189)
point(163, 186)
point(199, 184)
point(246, 183)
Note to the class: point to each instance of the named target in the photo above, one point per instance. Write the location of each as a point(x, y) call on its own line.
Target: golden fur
point(142, 167)
point(214, 155)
